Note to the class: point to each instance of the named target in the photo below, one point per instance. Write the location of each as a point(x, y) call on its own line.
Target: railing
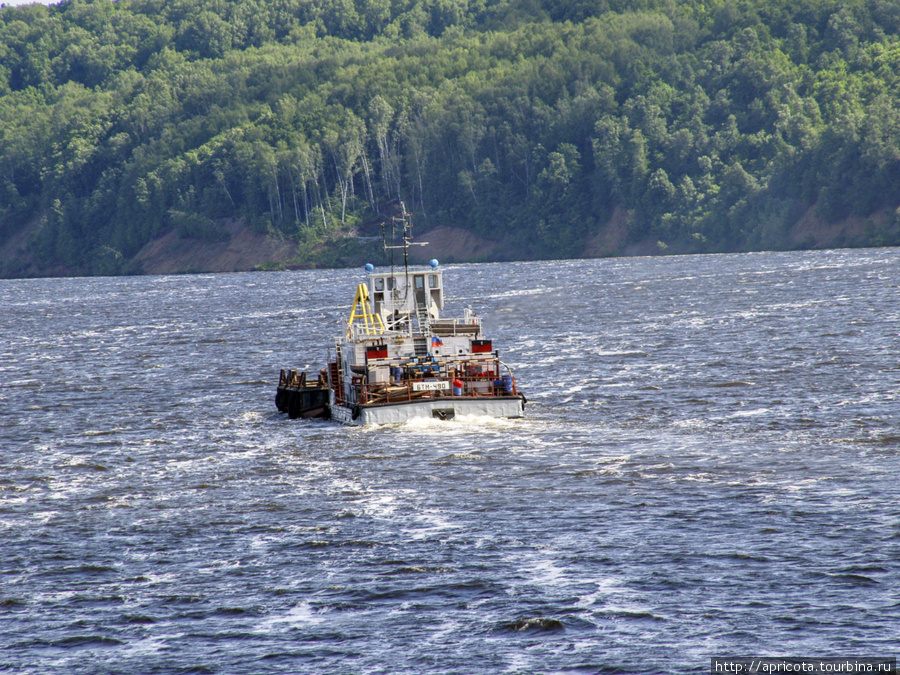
point(467, 326)
point(405, 390)
point(294, 379)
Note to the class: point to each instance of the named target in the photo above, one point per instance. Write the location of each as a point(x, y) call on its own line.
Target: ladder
point(336, 383)
point(422, 317)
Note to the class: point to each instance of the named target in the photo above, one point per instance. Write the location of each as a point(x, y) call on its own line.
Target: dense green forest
point(712, 126)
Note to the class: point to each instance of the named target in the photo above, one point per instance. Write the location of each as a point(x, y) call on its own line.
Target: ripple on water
point(707, 467)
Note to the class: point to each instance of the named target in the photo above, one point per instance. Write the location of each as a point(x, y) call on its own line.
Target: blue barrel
point(507, 383)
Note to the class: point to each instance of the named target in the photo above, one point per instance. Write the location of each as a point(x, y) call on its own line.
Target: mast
point(405, 219)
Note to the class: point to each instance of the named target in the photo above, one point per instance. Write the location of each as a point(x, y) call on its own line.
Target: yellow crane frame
point(361, 311)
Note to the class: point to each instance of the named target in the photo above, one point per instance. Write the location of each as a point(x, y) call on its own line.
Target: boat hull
point(444, 408)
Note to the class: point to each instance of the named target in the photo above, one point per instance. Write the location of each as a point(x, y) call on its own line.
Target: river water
point(708, 467)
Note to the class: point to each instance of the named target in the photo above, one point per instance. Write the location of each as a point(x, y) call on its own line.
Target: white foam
point(298, 615)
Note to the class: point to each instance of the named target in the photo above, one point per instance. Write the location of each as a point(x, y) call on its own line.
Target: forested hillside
point(557, 127)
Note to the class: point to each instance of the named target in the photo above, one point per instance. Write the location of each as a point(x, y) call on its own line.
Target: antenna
point(405, 222)
point(405, 219)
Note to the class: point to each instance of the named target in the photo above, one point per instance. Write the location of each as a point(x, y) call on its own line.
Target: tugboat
point(399, 360)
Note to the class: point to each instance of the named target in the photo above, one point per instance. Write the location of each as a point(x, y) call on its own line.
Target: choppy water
point(709, 467)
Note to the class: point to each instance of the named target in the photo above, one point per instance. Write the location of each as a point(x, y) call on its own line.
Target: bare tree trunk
point(271, 208)
point(365, 162)
point(305, 204)
point(342, 183)
point(294, 196)
point(278, 197)
point(321, 203)
point(421, 189)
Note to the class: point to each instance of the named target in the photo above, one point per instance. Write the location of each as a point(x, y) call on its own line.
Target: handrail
point(398, 392)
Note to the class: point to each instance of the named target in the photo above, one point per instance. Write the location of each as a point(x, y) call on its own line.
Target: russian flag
point(437, 342)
